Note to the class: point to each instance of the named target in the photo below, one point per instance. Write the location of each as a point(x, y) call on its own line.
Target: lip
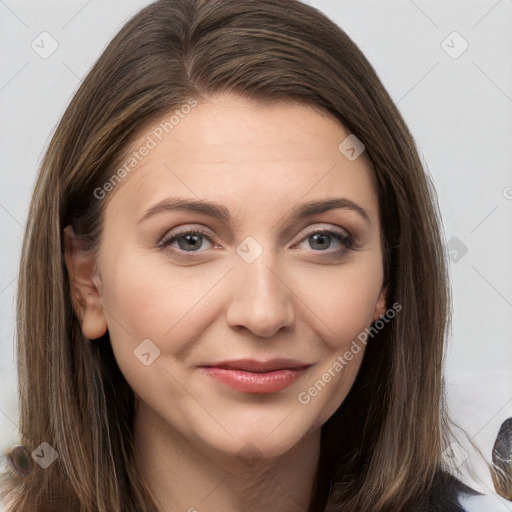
point(252, 376)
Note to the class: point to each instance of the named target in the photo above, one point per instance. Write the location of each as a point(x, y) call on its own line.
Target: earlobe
point(380, 306)
point(85, 286)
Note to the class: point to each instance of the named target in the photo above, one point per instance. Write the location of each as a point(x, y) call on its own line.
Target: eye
point(322, 239)
point(188, 241)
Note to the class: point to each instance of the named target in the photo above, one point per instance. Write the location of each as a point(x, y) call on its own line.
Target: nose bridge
point(261, 302)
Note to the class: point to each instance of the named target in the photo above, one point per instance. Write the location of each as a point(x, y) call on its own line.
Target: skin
point(200, 444)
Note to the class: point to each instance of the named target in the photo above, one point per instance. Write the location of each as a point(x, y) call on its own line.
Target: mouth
point(251, 376)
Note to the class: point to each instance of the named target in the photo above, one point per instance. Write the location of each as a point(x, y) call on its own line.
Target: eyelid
point(327, 227)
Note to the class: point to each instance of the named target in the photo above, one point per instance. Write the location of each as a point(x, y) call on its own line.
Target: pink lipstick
point(250, 376)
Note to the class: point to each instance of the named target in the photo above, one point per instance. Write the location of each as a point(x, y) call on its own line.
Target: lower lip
point(249, 382)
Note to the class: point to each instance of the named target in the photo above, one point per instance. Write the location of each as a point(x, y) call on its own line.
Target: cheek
point(344, 301)
point(168, 306)
point(145, 298)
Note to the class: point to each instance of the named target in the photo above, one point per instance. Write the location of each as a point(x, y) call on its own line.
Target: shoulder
point(484, 503)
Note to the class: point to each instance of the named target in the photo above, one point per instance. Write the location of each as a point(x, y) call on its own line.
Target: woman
point(233, 293)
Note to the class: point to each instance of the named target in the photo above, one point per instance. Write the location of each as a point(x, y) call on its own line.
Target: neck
point(183, 476)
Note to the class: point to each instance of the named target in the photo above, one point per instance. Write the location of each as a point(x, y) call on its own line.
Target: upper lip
point(255, 366)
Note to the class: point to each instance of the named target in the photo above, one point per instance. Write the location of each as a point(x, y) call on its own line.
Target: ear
point(380, 306)
point(85, 286)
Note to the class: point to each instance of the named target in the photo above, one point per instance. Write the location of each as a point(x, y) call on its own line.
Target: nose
point(262, 301)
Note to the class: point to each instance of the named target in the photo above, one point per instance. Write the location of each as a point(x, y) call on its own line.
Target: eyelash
point(346, 240)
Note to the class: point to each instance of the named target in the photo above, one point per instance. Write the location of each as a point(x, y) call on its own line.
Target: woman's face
point(244, 331)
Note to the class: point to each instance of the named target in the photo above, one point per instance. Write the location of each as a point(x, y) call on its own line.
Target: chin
point(256, 436)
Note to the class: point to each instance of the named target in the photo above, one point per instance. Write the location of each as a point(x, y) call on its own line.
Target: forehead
point(233, 147)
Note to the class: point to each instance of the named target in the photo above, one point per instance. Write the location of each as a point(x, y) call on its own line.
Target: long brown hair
point(381, 450)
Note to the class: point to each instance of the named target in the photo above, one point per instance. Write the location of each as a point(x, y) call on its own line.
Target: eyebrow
point(221, 213)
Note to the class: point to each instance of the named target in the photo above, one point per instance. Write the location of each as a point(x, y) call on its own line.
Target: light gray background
point(459, 108)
